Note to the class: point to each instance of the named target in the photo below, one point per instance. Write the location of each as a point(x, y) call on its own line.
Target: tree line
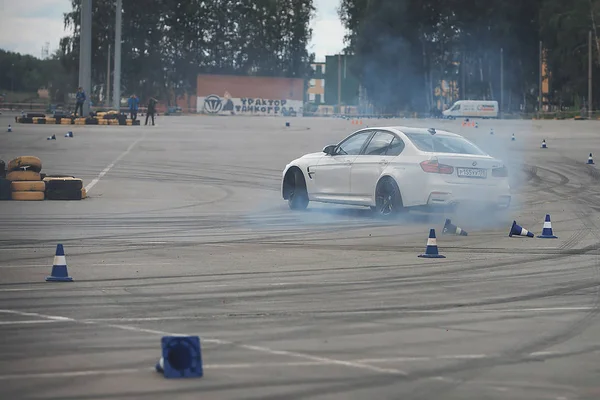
point(167, 43)
point(27, 74)
point(402, 48)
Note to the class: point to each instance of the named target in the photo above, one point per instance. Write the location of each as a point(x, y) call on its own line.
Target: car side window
point(378, 146)
point(353, 144)
point(396, 147)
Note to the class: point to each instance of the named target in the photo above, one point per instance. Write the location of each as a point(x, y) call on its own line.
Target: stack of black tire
point(4, 183)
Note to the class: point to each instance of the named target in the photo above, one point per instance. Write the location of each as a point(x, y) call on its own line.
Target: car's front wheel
point(388, 201)
point(298, 195)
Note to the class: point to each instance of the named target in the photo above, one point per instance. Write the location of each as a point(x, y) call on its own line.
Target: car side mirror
point(329, 150)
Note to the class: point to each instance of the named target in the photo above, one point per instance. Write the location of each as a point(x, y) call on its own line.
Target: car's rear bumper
point(489, 197)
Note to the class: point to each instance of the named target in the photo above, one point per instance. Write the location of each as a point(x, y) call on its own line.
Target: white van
point(472, 109)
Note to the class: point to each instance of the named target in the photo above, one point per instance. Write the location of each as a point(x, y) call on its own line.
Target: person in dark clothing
point(80, 99)
point(151, 110)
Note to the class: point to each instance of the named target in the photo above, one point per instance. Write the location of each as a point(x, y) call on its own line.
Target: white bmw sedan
point(391, 169)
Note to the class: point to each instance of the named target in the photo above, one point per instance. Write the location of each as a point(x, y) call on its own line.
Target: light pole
point(117, 82)
point(501, 83)
point(590, 75)
point(85, 52)
point(540, 83)
point(107, 101)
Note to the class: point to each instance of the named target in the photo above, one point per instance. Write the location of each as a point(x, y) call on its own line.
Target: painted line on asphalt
point(111, 165)
point(30, 322)
point(423, 358)
point(75, 374)
point(32, 314)
point(261, 349)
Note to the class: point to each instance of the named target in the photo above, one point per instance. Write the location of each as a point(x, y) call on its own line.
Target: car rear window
point(444, 144)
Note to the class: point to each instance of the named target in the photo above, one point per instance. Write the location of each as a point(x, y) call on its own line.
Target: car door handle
point(384, 162)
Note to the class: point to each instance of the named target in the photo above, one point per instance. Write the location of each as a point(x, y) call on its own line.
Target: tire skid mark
point(471, 369)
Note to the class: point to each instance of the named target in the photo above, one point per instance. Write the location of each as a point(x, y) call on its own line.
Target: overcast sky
point(26, 25)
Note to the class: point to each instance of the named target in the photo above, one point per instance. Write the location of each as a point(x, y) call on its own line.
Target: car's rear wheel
point(298, 195)
point(388, 201)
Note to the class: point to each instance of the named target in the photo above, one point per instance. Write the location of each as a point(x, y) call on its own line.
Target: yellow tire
point(27, 196)
point(28, 186)
point(23, 176)
point(30, 162)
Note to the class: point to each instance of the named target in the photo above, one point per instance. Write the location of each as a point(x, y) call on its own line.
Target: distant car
point(391, 169)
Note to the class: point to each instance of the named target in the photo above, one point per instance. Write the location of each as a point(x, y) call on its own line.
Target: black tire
point(5, 190)
point(63, 189)
point(388, 199)
point(298, 196)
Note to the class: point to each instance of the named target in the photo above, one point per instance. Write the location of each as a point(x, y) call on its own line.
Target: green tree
point(405, 48)
point(167, 43)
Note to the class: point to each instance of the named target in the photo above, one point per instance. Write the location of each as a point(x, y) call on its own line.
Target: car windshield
point(444, 144)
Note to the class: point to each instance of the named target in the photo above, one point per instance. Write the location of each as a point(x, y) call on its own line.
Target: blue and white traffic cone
point(59, 268)
point(181, 357)
point(590, 159)
point(53, 137)
point(9, 128)
point(451, 229)
point(547, 231)
point(544, 146)
point(517, 230)
point(69, 134)
point(513, 137)
point(491, 131)
point(432, 250)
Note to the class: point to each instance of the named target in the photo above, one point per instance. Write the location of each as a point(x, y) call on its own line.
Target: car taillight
point(501, 172)
point(433, 167)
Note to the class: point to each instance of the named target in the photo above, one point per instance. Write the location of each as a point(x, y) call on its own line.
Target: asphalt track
point(185, 232)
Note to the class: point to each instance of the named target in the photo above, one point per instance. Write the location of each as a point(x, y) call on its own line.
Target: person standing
point(134, 103)
point(151, 110)
point(80, 99)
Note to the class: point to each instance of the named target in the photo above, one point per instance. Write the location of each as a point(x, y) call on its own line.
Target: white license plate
point(471, 172)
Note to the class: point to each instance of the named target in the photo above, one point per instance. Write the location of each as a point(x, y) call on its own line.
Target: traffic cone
point(590, 159)
point(69, 134)
point(513, 137)
point(432, 250)
point(53, 137)
point(491, 131)
point(181, 357)
point(547, 231)
point(9, 128)
point(517, 230)
point(59, 268)
point(544, 144)
point(451, 229)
